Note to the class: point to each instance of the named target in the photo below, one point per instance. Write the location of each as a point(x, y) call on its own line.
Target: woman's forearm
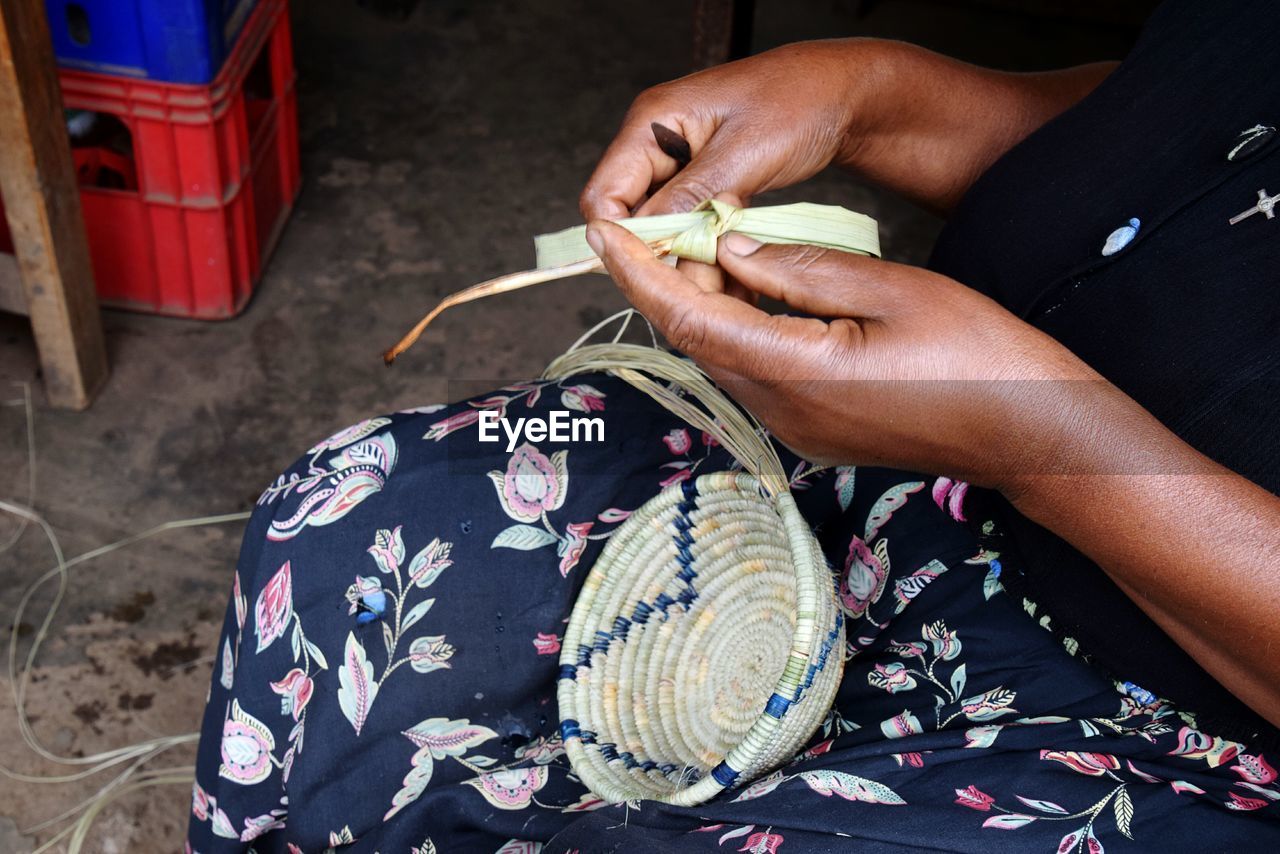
point(926, 126)
point(1196, 546)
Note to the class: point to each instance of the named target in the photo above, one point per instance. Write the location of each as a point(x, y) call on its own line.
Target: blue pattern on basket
point(777, 704)
point(663, 602)
point(724, 774)
point(823, 653)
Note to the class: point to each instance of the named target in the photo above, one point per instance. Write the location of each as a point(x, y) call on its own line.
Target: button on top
point(1250, 142)
point(1121, 237)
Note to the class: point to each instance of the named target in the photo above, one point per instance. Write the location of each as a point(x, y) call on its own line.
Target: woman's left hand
point(911, 370)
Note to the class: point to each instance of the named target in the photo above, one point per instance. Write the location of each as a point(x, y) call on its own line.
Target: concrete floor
point(432, 151)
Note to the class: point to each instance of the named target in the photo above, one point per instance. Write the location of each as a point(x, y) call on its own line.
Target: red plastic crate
point(215, 174)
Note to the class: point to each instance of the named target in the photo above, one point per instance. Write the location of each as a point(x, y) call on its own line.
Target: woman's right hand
point(762, 123)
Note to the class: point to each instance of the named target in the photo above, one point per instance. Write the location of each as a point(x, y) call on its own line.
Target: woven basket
point(706, 646)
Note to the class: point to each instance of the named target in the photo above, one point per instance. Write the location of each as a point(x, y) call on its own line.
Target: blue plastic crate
point(170, 41)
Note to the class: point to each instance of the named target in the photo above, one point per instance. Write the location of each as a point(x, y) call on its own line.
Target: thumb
point(701, 324)
point(824, 282)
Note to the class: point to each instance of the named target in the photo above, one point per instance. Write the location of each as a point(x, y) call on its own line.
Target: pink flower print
point(573, 545)
point(295, 692)
point(453, 423)
point(583, 398)
point(430, 652)
point(199, 802)
point(901, 725)
point(678, 441)
point(709, 440)
point(1093, 764)
point(388, 549)
point(909, 649)
point(1194, 744)
point(1255, 769)
point(1182, 787)
point(952, 492)
point(817, 750)
point(357, 472)
point(1071, 842)
point(614, 514)
point(532, 484)
point(863, 579)
point(259, 825)
point(945, 644)
point(679, 477)
point(988, 705)
point(220, 822)
point(547, 644)
point(974, 798)
point(246, 748)
point(762, 842)
point(541, 750)
point(510, 789)
point(892, 677)
point(274, 609)
point(242, 604)
point(1239, 803)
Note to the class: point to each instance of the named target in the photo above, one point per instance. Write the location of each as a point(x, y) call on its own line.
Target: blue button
point(1121, 237)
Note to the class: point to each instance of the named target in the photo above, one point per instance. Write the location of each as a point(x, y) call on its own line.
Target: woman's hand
point(913, 370)
point(757, 124)
point(916, 371)
point(915, 122)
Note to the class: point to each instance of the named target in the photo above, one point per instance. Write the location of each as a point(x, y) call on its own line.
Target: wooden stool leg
point(42, 203)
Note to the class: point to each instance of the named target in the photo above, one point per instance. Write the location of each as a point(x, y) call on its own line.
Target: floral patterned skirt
point(386, 677)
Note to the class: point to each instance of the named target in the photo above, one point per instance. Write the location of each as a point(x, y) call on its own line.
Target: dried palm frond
point(691, 235)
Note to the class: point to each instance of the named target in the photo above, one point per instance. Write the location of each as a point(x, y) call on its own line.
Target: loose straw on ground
point(134, 776)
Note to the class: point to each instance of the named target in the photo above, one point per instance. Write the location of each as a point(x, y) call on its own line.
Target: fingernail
point(740, 244)
point(595, 240)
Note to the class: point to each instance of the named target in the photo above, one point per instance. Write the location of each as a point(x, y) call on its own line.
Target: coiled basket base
point(705, 647)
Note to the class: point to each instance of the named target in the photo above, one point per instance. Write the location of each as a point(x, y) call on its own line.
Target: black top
point(1184, 318)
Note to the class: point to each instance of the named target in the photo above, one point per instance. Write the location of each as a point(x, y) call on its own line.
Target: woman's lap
point(336, 713)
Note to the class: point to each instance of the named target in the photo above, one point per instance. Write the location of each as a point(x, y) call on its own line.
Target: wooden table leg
point(42, 203)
